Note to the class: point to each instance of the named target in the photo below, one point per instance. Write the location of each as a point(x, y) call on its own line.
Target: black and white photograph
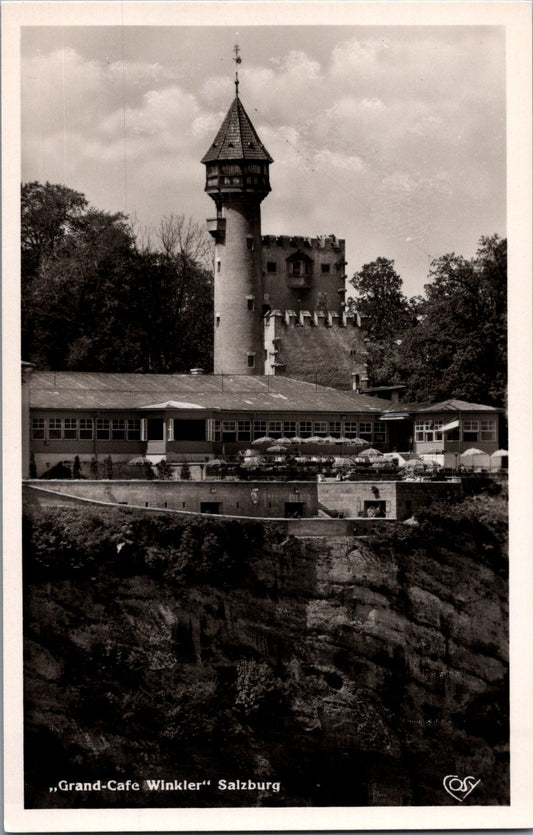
point(262, 321)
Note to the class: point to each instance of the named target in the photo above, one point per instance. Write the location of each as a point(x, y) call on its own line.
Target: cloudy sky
point(390, 137)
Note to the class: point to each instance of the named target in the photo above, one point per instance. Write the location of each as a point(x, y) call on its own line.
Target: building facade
point(185, 417)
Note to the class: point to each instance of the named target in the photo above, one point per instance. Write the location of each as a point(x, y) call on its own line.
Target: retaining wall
point(233, 498)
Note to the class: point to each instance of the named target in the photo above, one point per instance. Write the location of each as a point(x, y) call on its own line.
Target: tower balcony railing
point(216, 226)
point(301, 281)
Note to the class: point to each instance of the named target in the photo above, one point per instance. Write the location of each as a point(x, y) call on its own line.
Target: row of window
point(473, 430)
point(85, 429)
point(122, 429)
point(297, 267)
point(246, 430)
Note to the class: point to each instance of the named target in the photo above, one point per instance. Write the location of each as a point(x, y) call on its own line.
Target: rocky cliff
point(343, 672)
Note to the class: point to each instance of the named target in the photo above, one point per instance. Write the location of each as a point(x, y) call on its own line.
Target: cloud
point(379, 140)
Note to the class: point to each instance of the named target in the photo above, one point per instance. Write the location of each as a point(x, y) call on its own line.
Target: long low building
point(184, 417)
point(195, 417)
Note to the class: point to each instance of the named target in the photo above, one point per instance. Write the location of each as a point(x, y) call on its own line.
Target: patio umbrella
point(371, 453)
point(264, 440)
point(342, 463)
point(314, 439)
point(284, 440)
point(468, 453)
point(500, 453)
point(139, 460)
point(412, 463)
point(472, 453)
point(297, 440)
point(329, 439)
point(277, 449)
point(215, 462)
point(357, 441)
point(250, 463)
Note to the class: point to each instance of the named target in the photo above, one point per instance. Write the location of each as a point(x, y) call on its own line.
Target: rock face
point(351, 671)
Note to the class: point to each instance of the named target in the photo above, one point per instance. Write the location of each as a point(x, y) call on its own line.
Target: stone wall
point(318, 348)
point(234, 498)
point(400, 498)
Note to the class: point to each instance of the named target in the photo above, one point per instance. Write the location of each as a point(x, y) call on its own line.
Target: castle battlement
point(320, 242)
point(312, 319)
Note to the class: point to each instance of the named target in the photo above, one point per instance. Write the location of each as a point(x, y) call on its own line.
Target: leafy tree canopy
point(92, 299)
point(380, 300)
point(459, 346)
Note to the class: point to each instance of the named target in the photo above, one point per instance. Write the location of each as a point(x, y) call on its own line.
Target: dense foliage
point(450, 343)
point(162, 648)
point(93, 299)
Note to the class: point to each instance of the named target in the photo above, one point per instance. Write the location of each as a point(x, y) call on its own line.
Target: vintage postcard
point(267, 416)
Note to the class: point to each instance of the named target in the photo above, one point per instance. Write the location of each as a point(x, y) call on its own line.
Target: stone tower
point(237, 178)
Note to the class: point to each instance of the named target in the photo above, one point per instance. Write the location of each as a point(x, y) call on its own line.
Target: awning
point(394, 416)
point(454, 424)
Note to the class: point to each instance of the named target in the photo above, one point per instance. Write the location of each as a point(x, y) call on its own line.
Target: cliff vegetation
point(353, 671)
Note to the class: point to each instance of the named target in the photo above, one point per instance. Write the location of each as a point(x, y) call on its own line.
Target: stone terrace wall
point(235, 498)
point(401, 498)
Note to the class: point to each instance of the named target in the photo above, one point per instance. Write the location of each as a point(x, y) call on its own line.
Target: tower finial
point(237, 60)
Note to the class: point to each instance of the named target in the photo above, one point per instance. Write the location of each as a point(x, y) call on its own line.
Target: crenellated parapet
point(314, 319)
point(320, 242)
point(321, 346)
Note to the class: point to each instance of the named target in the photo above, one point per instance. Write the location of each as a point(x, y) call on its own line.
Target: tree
point(385, 312)
point(93, 301)
point(46, 215)
point(176, 289)
point(76, 469)
point(459, 347)
point(380, 301)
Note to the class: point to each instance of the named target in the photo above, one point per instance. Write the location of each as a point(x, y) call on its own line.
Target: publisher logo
point(459, 789)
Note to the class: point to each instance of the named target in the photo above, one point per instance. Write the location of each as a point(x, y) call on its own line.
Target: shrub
point(256, 688)
point(76, 469)
point(59, 470)
point(164, 471)
point(108, 467)
point(185, 472)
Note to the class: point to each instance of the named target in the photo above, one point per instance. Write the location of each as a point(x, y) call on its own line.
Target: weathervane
point(237, 60)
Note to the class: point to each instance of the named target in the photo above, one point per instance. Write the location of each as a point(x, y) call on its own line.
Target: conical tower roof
point(237, 138)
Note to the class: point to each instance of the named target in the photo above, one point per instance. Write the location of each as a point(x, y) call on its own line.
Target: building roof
point(379, 403)
point(87, 390)
point(450, 405)
point(237, 138)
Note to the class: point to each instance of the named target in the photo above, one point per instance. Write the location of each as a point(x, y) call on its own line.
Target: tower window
point(249, 242)
point(298, 268)
point(250, 302)
point(217, 320)
point(324, 268)
point(251, 360)
point(219, 266)
point(271, 267)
